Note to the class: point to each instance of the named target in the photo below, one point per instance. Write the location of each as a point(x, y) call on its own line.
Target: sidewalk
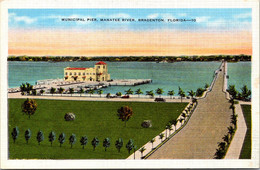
point(238, 139)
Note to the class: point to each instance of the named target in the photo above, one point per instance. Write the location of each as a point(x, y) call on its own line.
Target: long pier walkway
point(208, 124)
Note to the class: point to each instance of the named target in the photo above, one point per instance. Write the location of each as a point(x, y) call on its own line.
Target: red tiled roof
point(101, 63)
point(76, 68)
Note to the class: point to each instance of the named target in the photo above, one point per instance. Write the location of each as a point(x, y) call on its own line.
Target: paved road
point(208, 124)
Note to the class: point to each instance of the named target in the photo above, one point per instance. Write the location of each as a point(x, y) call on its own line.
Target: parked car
point(125, 97)
point(159, 100)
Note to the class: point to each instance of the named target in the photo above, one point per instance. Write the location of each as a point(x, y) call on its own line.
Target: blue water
point(168, 76)
point(239, 74)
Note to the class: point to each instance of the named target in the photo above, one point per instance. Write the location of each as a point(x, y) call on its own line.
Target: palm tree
point(152, 141)
point(181, 93)
point(174, 122)
point(61, 138)
point(81, 90)
point(232, 91)
point(222, 145)
point(191, 93)
point(27, 135)
point(234, 120)
point(159, 91)
point(53, 90)
point(118, 94)
point(61, 90)
point(181, 120)
point(206, 86)
point(129, 91)
point(130, 145)
point(100, 92)
point(171, 93)
point(71, 91)
point(91, 91)
point(161, 136)
point(168, 127)
point(231, 130)
point(233, 108)
point(142, 150)
point(245, 92)
point(226, 138)
point(138, 91)
point(150, 93)
point(184, 115)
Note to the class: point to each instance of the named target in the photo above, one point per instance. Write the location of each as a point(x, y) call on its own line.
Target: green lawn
point(246, 150)
point(94, 119)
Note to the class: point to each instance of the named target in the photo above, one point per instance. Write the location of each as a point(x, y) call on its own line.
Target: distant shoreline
point(159, 59)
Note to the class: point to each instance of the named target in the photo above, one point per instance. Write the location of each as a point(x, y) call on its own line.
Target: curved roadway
point(208, 124)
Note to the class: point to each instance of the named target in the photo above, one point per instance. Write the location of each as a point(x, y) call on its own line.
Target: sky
point(40, 32)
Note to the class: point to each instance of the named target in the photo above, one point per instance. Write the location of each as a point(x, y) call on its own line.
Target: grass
point(94, 119)
point(246, 149)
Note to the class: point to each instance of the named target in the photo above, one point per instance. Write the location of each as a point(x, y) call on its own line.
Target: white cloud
point(202, 19)
point(153, 16)
point(243, 16)
point(25, 19)
point(217, 23)
point(182, 15)
point(119, 15)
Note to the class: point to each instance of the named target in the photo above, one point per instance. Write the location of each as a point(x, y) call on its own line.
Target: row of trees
point(72, 140)
point(223, 146)
point(241, 57)
point(150, 93)
point(243, 95)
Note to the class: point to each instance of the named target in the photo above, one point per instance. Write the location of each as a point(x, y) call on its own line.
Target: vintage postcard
point(129, 85)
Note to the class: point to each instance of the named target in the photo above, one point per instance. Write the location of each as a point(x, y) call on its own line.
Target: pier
point(208, 124)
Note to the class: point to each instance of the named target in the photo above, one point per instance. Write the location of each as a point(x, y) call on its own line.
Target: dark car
point(125, 97)
point(159, 100)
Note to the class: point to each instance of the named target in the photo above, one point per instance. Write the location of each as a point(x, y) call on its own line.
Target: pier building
point(97, 73)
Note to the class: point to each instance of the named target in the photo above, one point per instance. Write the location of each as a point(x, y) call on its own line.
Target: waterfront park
point(109, 124)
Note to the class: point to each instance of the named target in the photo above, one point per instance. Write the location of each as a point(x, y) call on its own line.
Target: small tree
point(52, 137)
point(232, 91)
point(72, 140)
point(174, 122)
point(231, 130)
point(40, 137)
point(161, 136)
point(61, 138)
point(81, 90)
point(159, 91)
point(245, 92)
point(130, 145)
point(181, 120)
point(206, 86)
point(61, 90)
point(119, 94)
point(181, 93)
point(119, 144)
point(83, 141)
point(100, 92)
point(142, 151)
point(129, 91)
point(171, 93)
point(15, 133)
point(71, 90)
point(106, 143)
point(168, 127)
point(34, 92)
point(90, 92)
point(226, 138)
point(29, 107)
point(191, 93)
point(150, 93)
point(27, 135)
point(95, 142)
point(138, 91)
point(125, 113)
point(42, 91)
point(152, 141)
point(53, 90)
